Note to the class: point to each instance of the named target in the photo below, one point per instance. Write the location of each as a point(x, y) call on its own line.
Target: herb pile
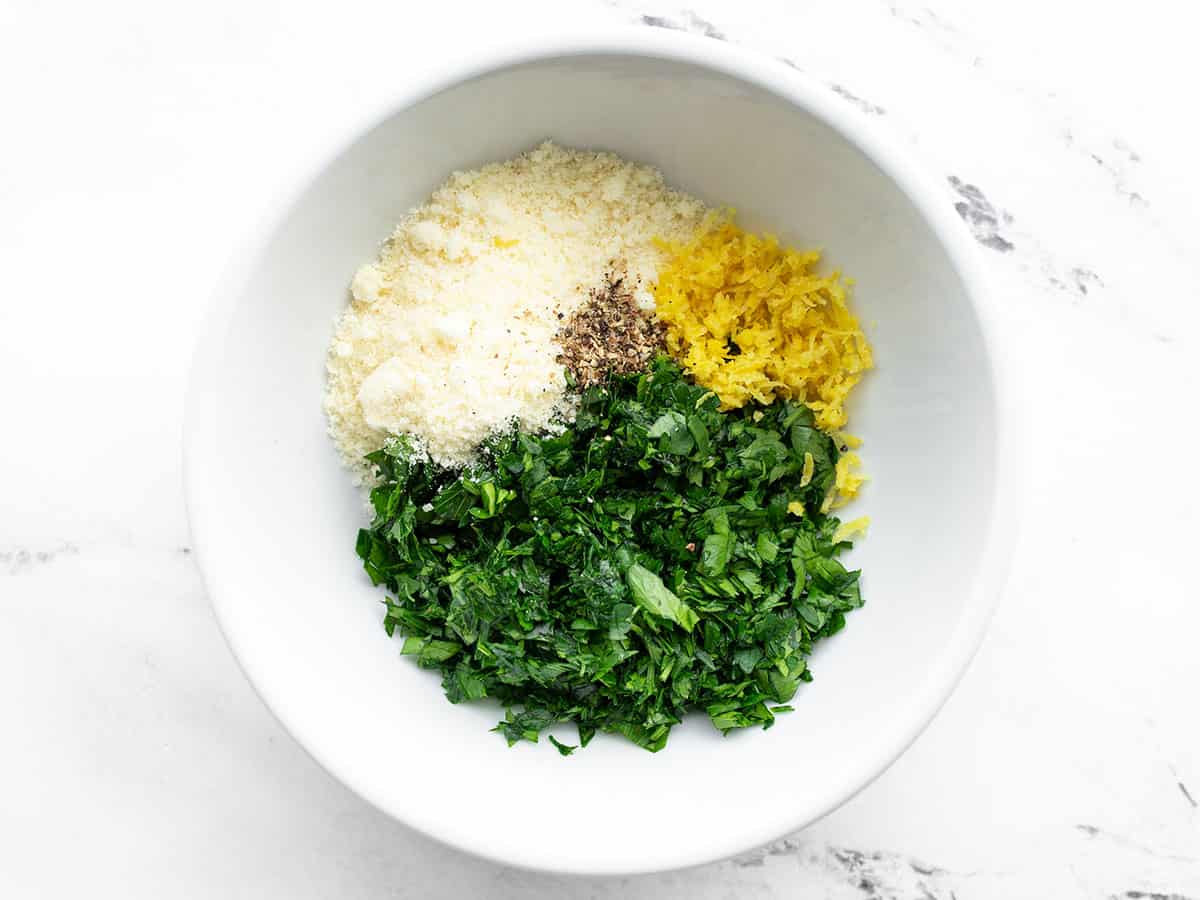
point(658, 556)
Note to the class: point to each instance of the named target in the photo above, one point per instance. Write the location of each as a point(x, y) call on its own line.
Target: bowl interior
point(275, 517)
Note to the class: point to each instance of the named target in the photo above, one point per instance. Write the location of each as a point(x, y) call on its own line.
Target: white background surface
point(141, 141)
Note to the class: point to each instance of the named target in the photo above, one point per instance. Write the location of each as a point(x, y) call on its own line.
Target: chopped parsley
point(658, 556)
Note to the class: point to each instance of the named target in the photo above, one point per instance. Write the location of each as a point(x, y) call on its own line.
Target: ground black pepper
point(609, 335)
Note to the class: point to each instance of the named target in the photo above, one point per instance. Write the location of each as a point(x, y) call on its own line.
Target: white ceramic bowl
point(274, 517)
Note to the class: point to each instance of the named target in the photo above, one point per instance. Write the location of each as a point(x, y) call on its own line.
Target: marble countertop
point(143, 139)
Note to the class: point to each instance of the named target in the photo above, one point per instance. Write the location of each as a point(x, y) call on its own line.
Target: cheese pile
point(450, 333)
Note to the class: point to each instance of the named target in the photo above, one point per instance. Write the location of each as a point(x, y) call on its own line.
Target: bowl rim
point(798, 89)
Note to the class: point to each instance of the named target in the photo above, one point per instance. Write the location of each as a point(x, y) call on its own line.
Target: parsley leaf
point(654, 596)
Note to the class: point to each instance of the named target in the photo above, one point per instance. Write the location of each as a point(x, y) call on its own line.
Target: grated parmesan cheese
point(450, 333)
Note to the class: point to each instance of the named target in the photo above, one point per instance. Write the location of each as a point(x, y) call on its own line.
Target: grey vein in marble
point(1121, 841)
point(1187, 795)
point(992, 227)
point(935, 28)
point(1117, 160)
point(1083, 278)
point(688, 21)
point(984, 220)
point(22, 560)
point(873, 873)
point(866, 106)
point(783, 847)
